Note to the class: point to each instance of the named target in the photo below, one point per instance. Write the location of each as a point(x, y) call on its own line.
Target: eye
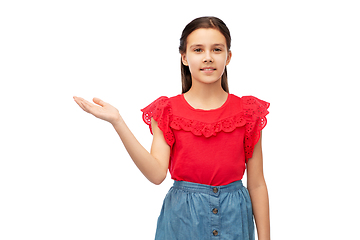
point(197, 50)
point(217, 50)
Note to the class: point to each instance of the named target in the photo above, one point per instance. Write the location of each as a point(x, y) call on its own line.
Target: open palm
point(102, 110)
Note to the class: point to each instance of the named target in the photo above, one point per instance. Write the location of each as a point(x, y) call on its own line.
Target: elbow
point(158, 180)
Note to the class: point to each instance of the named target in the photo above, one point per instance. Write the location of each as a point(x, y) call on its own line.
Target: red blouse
point(209, 146)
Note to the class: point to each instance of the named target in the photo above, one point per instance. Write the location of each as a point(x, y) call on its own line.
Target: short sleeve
point(161, 111)
point(255, 111)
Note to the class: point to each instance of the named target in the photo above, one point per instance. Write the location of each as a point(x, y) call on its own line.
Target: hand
point(105, 111)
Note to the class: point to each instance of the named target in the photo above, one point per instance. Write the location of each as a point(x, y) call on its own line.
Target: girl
point(206, 137)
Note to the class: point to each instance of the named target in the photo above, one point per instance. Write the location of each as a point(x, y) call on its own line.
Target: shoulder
point(251, 100)
point(160, 111)
point(175, 103)
point(254, 106)
point(245, 102)
point(175, 99)
point(250, 107)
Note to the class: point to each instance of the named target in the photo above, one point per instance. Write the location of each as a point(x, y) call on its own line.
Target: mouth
point(208, 69)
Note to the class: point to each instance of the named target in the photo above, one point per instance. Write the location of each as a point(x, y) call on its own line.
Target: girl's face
point(206, 55)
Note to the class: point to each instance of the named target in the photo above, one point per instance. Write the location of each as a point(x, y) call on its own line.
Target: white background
point(65, 174)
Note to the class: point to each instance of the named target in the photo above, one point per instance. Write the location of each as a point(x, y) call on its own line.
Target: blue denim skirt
point(193, 211)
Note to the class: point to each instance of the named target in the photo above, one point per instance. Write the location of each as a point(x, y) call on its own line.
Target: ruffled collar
point(187, 104)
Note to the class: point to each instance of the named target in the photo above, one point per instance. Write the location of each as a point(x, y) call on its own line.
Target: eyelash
point(199, 50)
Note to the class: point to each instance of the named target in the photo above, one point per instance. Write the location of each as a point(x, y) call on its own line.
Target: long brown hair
point(202, 22)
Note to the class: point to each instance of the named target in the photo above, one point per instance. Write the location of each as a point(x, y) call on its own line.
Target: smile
point(207, 69)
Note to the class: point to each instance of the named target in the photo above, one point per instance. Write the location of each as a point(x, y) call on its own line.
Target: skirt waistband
point(208, 189)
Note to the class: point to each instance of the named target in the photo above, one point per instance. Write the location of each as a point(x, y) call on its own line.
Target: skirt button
point(215, 232)
point(215, 211)
point(215, 190)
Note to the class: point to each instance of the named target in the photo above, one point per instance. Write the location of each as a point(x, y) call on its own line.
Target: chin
point(208, 80)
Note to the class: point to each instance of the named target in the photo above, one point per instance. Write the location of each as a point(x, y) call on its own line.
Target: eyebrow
point(201, 45)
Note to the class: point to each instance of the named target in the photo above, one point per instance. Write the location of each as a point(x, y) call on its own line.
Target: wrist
point(264, 238)
point(117, 122)
point(264, 235)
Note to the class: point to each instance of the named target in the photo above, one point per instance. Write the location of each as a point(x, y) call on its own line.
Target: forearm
point(147, 164)
point(260, 202)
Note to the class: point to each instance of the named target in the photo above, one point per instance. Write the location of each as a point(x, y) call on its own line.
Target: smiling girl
point(206, 138)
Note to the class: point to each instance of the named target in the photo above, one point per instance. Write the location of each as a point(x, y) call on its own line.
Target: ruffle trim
point(253, 117)
point(208, 129)
point(256, 110)
point(161, 111)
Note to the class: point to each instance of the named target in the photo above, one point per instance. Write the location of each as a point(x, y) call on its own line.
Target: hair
point(202, 22)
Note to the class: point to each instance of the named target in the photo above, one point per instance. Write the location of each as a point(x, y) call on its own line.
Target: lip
point(208, 70)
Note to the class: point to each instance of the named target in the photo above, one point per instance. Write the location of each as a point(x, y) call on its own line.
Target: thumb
point(99, 101)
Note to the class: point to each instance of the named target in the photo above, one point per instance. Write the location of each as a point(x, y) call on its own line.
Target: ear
point(228, 58)
point(184, 60)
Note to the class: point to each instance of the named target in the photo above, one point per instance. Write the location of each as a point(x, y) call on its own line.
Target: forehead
point(205, 36)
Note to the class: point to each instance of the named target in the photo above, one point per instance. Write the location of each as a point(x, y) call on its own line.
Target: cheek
point(221, 59)
point(194, 61)
point(193, 68)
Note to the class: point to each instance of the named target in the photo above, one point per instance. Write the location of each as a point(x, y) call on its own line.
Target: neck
point(206, 96)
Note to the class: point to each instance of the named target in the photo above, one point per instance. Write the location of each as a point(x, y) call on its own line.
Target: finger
point(89, 107)
point(99, 101)
point(85, 105)
point(78, 101)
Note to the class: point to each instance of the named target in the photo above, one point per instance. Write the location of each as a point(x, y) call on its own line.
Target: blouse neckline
point(203, 110)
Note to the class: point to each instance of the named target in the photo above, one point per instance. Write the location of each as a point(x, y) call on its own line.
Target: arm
point(153, 165)
point(258, 192)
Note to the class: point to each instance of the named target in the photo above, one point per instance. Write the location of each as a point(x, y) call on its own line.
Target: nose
point(207, 58)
